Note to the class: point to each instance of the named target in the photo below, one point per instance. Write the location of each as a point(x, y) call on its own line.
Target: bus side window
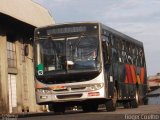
point(138, 57)
point(141, 56)
point(114, 56)
point(119, 45)
point(130, 55)
point(106, 50)
point(134, 54)
point(124, 53)
point(111, 38)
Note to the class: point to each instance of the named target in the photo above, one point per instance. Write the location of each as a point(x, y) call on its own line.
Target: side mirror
point(26, 50)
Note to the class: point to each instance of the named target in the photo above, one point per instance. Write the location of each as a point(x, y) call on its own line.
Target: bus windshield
point(68, 54)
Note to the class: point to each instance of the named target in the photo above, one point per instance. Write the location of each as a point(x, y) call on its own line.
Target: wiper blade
point(79, 40)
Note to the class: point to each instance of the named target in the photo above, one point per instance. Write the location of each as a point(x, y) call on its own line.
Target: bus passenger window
point(141, 55)
point(130, 55)
point(114, 55)
point(119, 47)
point(116, 43)
point(112, 40)
point(106, 50)
point(124, 53)
point(130, 60)
point(120, 56)
point(138, 57)
point(123, 45)
point(134, 54)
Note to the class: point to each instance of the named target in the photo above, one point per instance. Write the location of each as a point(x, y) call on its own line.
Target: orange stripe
point(133, 73)
point(57, 87)
point(142, 75)
point(128, 72)
point(126, 80)
point(39, 86)
point(138, 80)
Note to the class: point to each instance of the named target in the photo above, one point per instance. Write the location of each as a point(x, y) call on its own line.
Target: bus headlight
point(96, 86)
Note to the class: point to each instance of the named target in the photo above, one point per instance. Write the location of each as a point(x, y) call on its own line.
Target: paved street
point(147, 112)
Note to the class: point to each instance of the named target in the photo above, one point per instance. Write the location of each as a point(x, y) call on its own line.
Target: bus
point(88, 64)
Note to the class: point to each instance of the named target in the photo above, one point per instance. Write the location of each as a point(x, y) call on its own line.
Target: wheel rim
point(137, 97)
point(115, 96)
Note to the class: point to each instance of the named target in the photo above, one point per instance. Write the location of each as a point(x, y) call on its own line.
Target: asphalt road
point(145, 112)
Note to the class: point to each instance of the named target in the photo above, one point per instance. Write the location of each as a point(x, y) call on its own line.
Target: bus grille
point(69, 96)
point(69, 89)
point(78, 88)
point(61, 90)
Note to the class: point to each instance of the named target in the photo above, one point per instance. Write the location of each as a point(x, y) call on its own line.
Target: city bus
point(88, 64)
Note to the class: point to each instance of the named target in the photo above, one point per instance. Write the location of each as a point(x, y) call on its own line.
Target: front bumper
point(70, 96)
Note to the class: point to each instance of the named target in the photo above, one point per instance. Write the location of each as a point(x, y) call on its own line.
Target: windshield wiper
point(79, 40)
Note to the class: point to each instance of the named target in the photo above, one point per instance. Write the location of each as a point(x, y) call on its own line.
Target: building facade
point(154, 97)
point(18, 20)
point(154, 81)
point(154, 89)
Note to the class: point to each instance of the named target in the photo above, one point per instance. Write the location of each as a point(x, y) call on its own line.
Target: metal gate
point(12, 92)
point(154, 100)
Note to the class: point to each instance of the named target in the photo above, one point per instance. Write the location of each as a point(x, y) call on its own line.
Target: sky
point(139, 19)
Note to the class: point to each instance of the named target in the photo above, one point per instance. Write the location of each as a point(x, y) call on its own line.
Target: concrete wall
point(4, 107)
point(25, 79)
point(24, 73)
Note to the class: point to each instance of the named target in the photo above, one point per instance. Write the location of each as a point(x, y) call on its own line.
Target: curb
point(35, 114)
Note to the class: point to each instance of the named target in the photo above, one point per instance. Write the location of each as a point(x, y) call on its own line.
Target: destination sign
point(66, 30)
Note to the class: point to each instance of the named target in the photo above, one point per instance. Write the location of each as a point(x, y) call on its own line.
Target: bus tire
point(126, 104)
point(135, 102)
point(85, 108)
point(110, 106)
point(112, 103)
point(59, 109)
point(145, 101)
point(50, 107)
point(94, 108)
point(90, 107)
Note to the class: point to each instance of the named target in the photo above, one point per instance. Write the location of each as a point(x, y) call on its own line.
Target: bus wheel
point(145, 101)
point(59, 109)
point(50, 106)
point(126, 104)
point(90, 107)
point(94, 108)
point(135, 102)
point(85, 108)
point(112, 103)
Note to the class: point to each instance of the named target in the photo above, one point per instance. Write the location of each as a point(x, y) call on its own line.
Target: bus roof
point(123, 36)
point(115, 32)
